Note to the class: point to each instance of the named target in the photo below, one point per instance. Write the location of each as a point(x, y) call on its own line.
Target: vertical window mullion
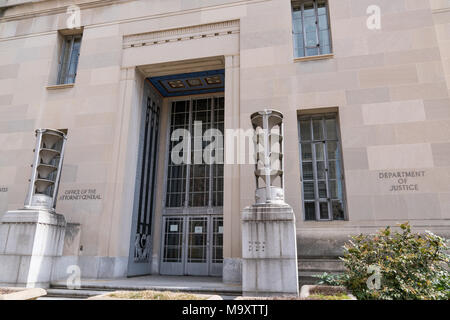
point(61, 62)
point(189, 164)
point(302, 181)
point(327, 10)
point(211, 166)
point(304, 30)
point(315, 176)
point(69, 59)
point(326, 167)
point(316, 12)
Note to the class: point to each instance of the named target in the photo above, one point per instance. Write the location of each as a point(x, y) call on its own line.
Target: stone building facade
point(365, 98)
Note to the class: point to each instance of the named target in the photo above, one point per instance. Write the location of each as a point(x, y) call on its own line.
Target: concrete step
point(308, 277)
point(72, 294)
point(92, 290)
point(308, 267)
point(320, 265)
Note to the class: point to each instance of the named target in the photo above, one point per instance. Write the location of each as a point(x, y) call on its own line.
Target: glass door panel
point(216, 246)
point(197, 246)
point(173, 243)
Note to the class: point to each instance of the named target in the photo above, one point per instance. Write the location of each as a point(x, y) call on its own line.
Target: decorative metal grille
point(147, 185)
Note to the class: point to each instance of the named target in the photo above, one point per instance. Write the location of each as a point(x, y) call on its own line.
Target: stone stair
point(59, 290)
point(310, 266)
point(62, 292)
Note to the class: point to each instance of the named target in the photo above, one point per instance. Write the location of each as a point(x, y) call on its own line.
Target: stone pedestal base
point(30, 240)
point(269, 251)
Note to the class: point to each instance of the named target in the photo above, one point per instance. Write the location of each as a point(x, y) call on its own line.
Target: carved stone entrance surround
point(180, 50)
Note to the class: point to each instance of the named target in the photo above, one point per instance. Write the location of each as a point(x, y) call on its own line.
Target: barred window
point(68, 64)
point(310, 28)
point(195, 185)
point(321, 170)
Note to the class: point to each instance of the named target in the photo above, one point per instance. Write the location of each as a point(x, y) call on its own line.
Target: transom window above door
point(321, 168)
point(195, 185)
point(311, 28)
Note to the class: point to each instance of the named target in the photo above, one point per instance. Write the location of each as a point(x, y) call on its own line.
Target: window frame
point(186, 208)
point(318, 37)
point(317, 200)
point(63, 75)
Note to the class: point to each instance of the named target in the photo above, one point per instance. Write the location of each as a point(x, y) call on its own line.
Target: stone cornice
point(57, 10)
point(102, 3)
point(441, 10)
point(181, 34)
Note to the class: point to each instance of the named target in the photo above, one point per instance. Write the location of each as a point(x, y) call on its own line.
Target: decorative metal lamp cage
point(46, 170)
point(268, 139)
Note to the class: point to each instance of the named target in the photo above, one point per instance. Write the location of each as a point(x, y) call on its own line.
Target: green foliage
point(330, 279)
point(411, 266)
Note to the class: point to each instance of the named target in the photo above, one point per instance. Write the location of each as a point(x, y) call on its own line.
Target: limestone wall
point(391, 88)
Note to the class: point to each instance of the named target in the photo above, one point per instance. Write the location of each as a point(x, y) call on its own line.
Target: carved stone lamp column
point(46, 173)
point(269, 247)
point(268, 139)
point(33, 237)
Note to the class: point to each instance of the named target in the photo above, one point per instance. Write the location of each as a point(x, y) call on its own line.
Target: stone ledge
point(313, 58)
point(60, 86)
point(33, 217)
point(107, 296)
point(305, 291)
point(22, 293)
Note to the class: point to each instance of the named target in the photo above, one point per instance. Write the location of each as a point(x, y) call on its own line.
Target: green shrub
point(410, 266)
point(330, 279)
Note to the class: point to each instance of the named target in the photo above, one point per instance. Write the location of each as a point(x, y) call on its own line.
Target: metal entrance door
point(192, 245)
point(139, 262)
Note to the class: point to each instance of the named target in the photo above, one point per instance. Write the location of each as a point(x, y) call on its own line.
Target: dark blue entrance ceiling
point(190, 83)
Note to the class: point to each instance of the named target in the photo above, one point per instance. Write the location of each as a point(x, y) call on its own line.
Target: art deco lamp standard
point(269, 247)
point(35, 234)
point(268, 138)
point(47, 166)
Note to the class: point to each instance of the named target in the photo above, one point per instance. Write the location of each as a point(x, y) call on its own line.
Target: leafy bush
point(331, 279)
point(408, 266)
point(411, 266)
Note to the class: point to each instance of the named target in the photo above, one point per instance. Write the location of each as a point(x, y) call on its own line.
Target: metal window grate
point(176, 179)
point(321, 170)
point(311, 28)
point(195, 185)
point(70, 53)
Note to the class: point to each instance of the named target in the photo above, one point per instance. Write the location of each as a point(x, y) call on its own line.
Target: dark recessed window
point(311, 28)
point(321, 168)
point(68, 63)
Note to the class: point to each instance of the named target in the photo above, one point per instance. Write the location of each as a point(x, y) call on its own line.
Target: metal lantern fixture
point(268, 139)
point(47, 165)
